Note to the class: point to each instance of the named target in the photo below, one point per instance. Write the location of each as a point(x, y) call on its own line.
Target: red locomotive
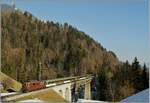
point(32, 86)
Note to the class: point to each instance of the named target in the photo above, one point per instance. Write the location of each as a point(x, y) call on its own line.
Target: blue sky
point(120, 26)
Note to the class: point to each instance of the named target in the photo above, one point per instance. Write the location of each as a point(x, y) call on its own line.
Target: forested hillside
point(128, 79)
point(62, 50)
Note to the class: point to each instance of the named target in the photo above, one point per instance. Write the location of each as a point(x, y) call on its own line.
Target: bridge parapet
point(9, 83)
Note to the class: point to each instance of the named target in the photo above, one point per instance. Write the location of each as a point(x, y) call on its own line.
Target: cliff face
point(62, 50)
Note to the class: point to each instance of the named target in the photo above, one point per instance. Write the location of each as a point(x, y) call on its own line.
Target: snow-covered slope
point(142, 97)
point(89, 101)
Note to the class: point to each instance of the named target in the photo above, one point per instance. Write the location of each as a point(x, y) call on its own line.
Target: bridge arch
point(61, 92)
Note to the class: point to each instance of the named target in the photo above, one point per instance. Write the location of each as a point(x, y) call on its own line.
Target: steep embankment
point(62, 50)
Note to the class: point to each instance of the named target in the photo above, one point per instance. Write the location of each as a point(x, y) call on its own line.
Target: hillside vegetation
point(62, 50)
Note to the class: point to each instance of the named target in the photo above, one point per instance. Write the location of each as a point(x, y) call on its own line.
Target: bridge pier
point(87, 92)
point(64, 91)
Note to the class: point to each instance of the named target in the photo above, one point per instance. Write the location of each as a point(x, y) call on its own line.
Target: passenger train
point(37, 85)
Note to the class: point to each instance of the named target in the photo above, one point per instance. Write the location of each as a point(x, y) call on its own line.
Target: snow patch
point(142, 97)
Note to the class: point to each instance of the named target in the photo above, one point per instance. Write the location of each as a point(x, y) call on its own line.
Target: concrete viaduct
point(64, 88)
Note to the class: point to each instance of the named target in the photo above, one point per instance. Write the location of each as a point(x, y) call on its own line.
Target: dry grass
point(48, 96)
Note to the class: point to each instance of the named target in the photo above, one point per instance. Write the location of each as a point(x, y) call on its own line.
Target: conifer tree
point(145, 77)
